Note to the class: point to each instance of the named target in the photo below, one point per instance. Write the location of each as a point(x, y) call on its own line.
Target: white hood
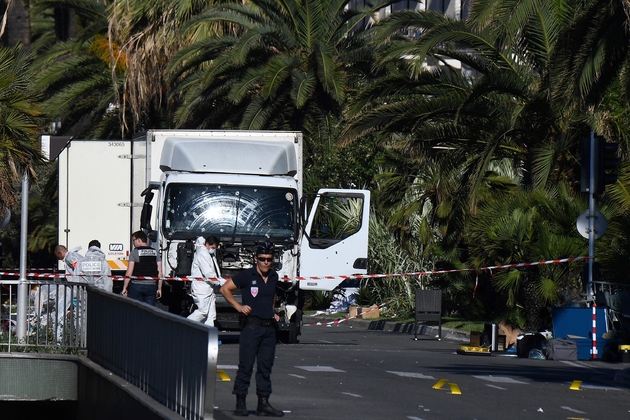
point(200, 242)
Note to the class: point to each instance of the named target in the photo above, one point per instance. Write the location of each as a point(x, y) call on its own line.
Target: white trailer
point(95, 197)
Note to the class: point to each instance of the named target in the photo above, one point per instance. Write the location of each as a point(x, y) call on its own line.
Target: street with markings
point(344, 371)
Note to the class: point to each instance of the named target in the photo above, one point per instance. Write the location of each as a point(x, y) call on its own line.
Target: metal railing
point(56, 315)
point(611, 288)
point(170, 358)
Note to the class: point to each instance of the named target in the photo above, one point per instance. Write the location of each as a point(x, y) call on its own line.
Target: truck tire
point(295, 329)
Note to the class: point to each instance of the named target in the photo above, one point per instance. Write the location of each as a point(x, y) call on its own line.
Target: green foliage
point(318, 299)
point(396, 293)
point(365, 296)
point(20, 121)
point(472, 160)
point(529, 226)
point(462, 324)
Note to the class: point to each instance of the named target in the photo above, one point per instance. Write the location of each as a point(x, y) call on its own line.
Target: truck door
point(335, 240)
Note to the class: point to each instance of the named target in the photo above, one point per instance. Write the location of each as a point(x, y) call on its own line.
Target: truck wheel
point(288, 336)
point(293, 334)
point(295, 328)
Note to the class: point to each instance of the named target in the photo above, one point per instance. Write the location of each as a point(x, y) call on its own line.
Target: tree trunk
point(18, 24)
point(534, 310)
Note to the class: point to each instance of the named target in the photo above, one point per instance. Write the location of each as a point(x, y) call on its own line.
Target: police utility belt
point(254, 320)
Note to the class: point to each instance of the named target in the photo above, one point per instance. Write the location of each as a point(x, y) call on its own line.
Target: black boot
point(241, 405)
point(264, 409)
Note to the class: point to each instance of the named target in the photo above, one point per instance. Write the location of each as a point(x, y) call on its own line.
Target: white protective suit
point(204, 266)
point(60, 294)
point(96, 269)
point(72, 261)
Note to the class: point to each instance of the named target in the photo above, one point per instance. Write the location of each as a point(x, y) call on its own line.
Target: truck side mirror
point(147, 209)
point(145, 217)
point(303, 211)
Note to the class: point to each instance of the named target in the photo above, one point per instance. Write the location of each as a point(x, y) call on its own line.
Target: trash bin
point(624, 352)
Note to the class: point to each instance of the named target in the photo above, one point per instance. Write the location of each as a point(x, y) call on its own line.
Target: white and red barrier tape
point(342, 277)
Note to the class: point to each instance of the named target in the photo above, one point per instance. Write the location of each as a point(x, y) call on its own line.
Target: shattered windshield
point(244, 213)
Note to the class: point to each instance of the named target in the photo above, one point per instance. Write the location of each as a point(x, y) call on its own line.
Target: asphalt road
point(350, 372)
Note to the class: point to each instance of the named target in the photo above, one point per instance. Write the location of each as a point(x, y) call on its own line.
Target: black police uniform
point(258, 337)
point(146, 265)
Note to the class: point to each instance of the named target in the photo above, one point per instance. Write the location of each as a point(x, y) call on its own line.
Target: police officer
point(258, 337)
point(143, 261)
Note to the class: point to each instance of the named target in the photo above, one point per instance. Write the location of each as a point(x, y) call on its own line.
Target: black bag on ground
point(528, 341)
point(559, 349)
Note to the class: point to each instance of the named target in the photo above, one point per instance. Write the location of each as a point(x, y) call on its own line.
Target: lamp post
point(23, 285)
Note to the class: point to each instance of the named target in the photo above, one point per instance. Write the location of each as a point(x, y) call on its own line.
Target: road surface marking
point(607, 388)
point(454, 389)
point(497, 387)
point(224, 376)
point(297, 376)
point(564, 407)
point(500, 379)
point(410, 374)
point(352, 395)
point(319, 369)
point(227, 367)
point(440, 383)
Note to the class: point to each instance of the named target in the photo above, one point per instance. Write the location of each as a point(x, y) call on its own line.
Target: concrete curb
point(393, 327)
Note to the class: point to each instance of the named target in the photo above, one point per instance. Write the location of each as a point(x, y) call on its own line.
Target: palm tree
point(15, 26)
point(75, 76)
point(148, 35)
point(281, 66)
point(529, 226)
point(504, 111)
point(595, 53)
point(20, 120)
point(469, 134)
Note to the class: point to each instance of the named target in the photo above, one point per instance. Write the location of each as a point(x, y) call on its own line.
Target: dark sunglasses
point(265, 259)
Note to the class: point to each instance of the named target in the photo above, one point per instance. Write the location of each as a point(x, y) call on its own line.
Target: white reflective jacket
point(96, 270)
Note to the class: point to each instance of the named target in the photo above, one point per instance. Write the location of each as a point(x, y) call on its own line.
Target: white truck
point(244, 187)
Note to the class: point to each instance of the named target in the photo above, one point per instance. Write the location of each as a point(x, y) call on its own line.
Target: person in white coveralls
point(96, 268)
point(205, 270)
point(72, 260)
